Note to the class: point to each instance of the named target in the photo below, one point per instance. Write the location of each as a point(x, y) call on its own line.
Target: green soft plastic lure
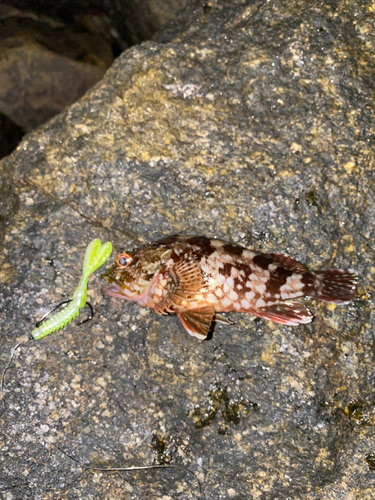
point(95, 256)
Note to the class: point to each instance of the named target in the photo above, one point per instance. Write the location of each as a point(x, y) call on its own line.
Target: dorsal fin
point(288, 262)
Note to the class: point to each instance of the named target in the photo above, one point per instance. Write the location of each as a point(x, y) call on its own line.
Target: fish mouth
point(121, 290)
point(115, 290)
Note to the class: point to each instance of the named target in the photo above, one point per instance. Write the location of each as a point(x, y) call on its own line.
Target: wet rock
point(47, 63)
point(251, 122)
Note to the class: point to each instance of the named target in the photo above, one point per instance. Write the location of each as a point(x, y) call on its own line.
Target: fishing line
point(96, 254)
point(48, 313)
point(88, 467)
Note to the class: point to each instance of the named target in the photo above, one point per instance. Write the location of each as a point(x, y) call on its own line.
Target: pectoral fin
point(184, 282)
point(197, 321)
point(185, 279)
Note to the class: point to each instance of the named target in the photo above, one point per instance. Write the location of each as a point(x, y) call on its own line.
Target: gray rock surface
point(252, 122)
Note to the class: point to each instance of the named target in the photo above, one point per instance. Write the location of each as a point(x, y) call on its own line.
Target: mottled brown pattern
point(278, 278)
point(197, 277)
point(226, 270)
point(234, 250)
point(308, 280)
point(262, 261)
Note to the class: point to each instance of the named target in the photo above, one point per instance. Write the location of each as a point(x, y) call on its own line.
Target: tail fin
point(336, 285)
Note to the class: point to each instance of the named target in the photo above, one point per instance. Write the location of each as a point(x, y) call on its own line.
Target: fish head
point(133, 274)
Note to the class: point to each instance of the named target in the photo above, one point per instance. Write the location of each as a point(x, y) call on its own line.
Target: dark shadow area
point(51, 53)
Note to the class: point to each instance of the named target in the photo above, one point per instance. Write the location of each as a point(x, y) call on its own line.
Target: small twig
point(89, 467)
point(129, 469)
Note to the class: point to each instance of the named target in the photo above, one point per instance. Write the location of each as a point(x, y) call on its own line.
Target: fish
point(196, 278)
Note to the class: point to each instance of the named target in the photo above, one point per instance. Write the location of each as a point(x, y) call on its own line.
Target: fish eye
point(123, 260)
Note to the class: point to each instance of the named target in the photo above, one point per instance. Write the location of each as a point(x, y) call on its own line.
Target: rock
point(46, 65)
point(252, 123)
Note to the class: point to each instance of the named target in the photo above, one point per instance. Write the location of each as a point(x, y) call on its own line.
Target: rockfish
point(197, 277)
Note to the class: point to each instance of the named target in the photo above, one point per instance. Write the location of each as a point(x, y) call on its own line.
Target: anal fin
point(197, 322)
point(287, 313)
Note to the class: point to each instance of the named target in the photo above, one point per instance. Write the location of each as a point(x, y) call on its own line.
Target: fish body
point(197, 277)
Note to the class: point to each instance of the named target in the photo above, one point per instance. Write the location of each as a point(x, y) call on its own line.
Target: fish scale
point(197, 277)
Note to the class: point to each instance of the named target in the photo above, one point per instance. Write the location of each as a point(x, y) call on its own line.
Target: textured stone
point(252, 122)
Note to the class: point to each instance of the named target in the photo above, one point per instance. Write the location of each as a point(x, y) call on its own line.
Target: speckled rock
point(252, 122)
